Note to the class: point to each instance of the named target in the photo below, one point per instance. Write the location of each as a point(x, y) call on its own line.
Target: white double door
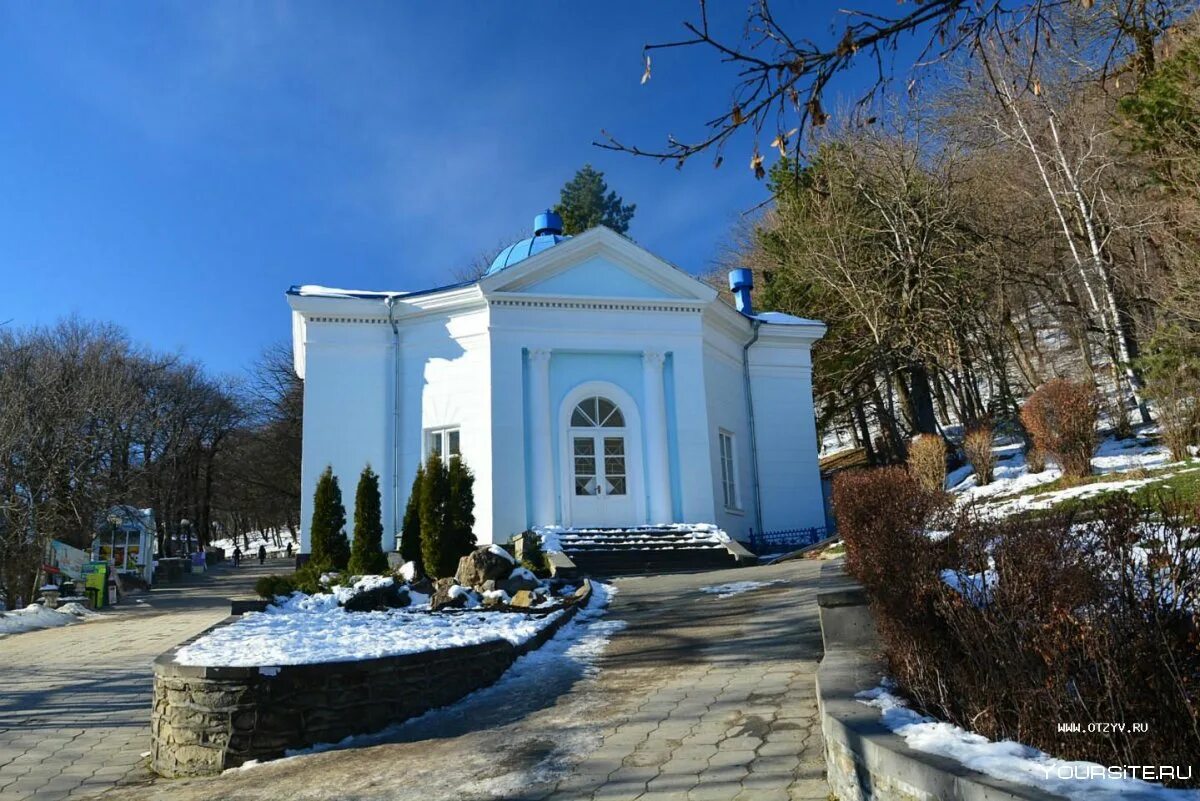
point(600, 478)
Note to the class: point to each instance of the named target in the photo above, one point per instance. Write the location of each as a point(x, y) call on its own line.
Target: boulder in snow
point(525, 599)
point(379, 597)
point(483, 564)
point(517, 582)
point(447, 594)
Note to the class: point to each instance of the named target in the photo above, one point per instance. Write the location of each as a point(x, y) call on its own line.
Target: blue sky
point(175, 166)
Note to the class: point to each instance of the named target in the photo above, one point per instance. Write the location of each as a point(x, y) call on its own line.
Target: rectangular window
point(728, 470)
point(442, 441)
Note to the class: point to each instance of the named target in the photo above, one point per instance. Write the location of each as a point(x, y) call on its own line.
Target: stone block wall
point(208, 719)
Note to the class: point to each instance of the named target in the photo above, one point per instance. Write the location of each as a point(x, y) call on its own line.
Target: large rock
point(447, 594)
point(387, 596)
point(517, 583)
point(485, 563)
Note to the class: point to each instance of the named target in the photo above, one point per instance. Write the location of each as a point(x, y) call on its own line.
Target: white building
point(585, 381)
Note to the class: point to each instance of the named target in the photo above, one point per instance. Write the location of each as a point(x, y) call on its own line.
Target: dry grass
point(977, 445)
point(927, 461)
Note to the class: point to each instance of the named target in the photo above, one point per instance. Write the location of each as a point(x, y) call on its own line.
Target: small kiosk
point(125, 541)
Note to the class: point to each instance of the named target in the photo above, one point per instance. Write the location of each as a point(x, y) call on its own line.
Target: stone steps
point(645, 549)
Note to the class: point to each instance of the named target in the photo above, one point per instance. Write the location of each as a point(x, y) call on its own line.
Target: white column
point(658, 480)
point(541, 467)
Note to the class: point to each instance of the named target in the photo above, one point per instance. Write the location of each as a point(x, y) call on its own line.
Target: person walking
point(237, 556)
point(289, 550)
point(262, 554)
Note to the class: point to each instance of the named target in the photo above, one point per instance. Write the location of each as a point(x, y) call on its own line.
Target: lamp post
point(185, 526)
point(114, 520)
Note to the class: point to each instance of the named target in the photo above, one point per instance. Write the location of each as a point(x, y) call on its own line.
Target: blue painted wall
point(569, 369)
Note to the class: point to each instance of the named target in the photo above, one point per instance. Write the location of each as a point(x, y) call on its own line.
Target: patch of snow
point(522, 572)
point(975, 587)
point(737, 587)
point(408, 571)
point(309, 629)
point(554, 670)
point(363, 584)
point(499, 551)
point(36, 616)
point(1011, 761)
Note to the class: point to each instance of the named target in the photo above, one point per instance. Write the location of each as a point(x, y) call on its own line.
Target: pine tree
point(410, 534)
point(432, 508)
point(460, 510)
point(366, 552)
point(585, 202)
point(329, 547)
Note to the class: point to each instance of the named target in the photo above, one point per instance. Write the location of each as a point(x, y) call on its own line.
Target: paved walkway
point(75, 700)
point(694, 698)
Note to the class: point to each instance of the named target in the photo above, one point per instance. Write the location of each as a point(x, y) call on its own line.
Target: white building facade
point(586, 382)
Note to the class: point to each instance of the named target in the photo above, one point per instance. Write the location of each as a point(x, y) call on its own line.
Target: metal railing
point(788, 539)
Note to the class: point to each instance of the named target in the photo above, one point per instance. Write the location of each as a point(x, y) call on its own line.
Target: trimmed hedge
point(1052, 619)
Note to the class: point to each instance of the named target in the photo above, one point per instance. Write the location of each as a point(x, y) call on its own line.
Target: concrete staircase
point(646, 549)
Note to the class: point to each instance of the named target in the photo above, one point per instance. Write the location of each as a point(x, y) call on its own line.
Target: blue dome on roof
point(547, 232)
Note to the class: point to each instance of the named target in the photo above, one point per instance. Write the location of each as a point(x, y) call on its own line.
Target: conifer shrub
point(533, 556)
point(977, 446)
point(927, 461)
point(1061, 417)
point(270, 587)
point(1008, 627)
point(328, 530)
point(366, 552)
point(1171, 368)
point(410, 532)
point(460, 509)
point(447, 514)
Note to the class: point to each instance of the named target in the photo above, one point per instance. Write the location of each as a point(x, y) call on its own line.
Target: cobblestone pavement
point(695, 698)
point(75, 700)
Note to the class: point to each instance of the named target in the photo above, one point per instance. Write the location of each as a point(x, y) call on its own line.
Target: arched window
point(597, 412)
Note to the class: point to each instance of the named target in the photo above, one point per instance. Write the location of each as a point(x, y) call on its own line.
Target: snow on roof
point(779, 318)
point(318, 291)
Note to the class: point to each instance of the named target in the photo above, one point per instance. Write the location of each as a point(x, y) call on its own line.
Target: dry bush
point(1061, 417)
point(927, 461)
point(977, 445)
point(1061, 621)
point(1035, 460)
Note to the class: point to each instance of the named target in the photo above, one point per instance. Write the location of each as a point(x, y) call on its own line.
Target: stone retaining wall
point(864, 759)
point(208, 719)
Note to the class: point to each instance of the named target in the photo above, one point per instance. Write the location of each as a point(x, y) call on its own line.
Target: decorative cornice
point(597, 305)
point(367, 320)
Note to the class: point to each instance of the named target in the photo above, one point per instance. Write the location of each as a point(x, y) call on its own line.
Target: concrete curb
point(866, 761)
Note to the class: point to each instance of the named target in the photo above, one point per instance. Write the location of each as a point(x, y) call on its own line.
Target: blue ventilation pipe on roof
point(741, 281)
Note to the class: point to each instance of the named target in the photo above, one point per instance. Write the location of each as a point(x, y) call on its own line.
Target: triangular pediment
point(598, 264)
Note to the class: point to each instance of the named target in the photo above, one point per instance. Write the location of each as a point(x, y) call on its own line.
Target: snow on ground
point(308, 629)
point(1012, 761)
point(1012, 476)
point(36, 616)
point(547, 673)
point(256, 538)
point(737, 587)
point(975, 587)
